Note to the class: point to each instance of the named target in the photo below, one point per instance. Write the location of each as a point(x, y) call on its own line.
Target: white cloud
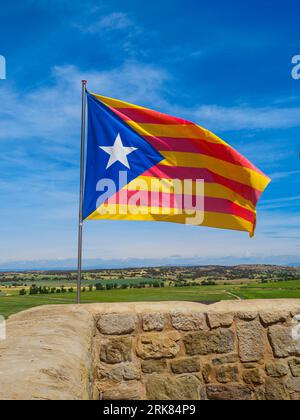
point(256, 150)
point(282, 199)
point(278, 203)
point(113, 21)
point(116, 21)
point(53, 113)
point(247, 118)
point(283, 174)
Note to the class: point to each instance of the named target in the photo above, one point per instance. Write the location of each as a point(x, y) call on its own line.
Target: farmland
point(20, 291)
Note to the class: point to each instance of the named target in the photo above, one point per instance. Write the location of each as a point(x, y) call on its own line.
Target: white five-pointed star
point(118, 152)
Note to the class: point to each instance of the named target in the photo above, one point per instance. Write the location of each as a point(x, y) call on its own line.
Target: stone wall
point(221, 352)
point(247, 350)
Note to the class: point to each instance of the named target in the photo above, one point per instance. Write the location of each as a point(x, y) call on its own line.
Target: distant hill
point(68, 265)
point(266, 267)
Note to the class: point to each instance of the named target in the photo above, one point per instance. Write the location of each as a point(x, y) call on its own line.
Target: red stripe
point(174, 172)
point(218, 151)
point(147, 116)
point(159, 199)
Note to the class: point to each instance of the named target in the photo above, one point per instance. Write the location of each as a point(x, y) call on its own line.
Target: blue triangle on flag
point(112, 147)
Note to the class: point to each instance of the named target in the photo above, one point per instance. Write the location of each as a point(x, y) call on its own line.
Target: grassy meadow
point(181, 284)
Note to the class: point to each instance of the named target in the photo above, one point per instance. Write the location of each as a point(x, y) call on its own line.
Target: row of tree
point(141, 285)
point(44, 290)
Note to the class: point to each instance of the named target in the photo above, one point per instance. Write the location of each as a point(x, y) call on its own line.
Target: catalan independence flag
point(139, 160)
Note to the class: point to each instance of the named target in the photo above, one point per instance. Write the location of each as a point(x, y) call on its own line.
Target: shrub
point(33, 290)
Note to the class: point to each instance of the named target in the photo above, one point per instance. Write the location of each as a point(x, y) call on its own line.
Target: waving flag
point(145, 165)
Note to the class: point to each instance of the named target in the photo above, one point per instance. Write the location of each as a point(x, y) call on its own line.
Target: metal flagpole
point(80, 221)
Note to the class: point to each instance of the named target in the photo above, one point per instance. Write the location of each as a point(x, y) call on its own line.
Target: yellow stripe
point(189, 131)
point(237, 173)
point(244, 175)
point(162, 130)
point(211, 219)
point(210, 189)
point(115, 103)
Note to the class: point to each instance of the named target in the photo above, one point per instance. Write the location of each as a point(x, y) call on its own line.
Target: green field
point(15, 303)
point(277, 290)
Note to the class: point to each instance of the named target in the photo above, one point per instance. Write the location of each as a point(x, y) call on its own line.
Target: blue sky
point(225, 65)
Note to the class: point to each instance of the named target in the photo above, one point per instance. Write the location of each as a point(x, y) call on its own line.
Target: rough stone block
point(276, 390)
point(251, 340)
point(185, 365)
point(228, 392)
point(132, 390)
point(157, 345)
point(227, 373)
point(116, 350)
point(159, 387)
point(282, 341)
point(254, 377)
point(209, 342)
point(125, 371)
point(294, 365)
point(154, 366)
point(117, 324)
point(188, 322)
point(293, 384)
point(216, 320)
point(153, 322)
point(277, 369)
point(272, 317)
